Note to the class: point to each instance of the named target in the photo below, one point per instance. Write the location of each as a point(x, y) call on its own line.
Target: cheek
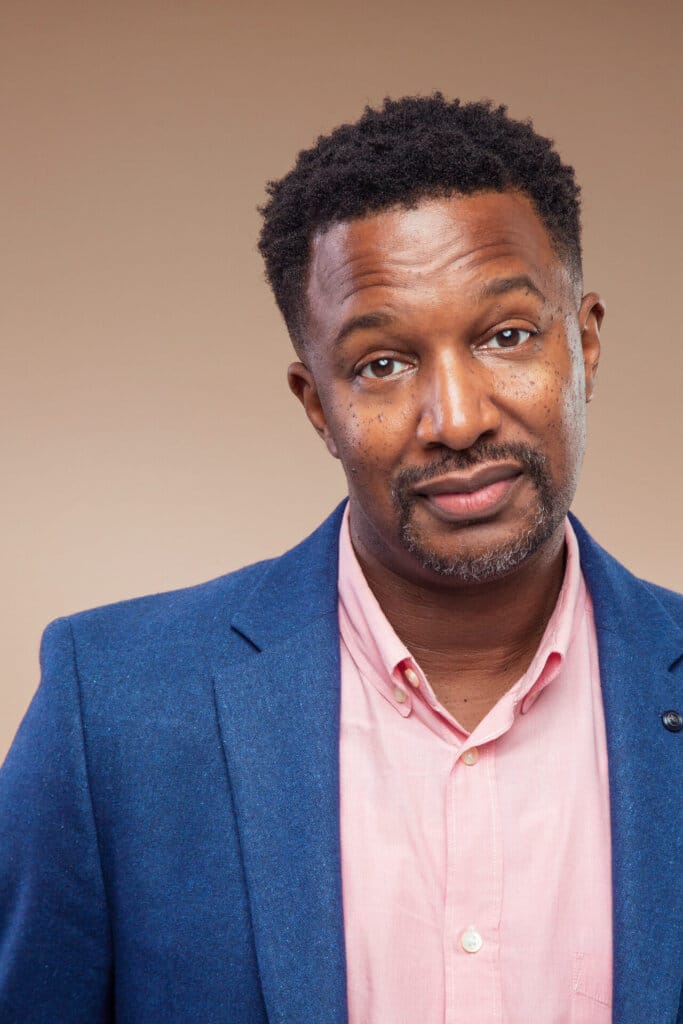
point(563, 423)
point(363, 439)
point(550, 403)
point(370, 435)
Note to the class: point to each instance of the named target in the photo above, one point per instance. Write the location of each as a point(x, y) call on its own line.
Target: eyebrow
point(366, 321)
point(500, 286)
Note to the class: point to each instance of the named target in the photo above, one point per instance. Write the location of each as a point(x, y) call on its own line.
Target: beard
point(471, 566)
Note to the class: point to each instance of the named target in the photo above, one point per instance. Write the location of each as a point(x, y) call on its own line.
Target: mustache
point(529, 459)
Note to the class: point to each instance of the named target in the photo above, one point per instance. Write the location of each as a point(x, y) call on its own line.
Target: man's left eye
point(509, 337)
point(387, 366)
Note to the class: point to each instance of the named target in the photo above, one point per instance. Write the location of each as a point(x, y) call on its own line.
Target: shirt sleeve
point(55, 942)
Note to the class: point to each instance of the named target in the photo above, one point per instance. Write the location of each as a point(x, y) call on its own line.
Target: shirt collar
point(379, 654)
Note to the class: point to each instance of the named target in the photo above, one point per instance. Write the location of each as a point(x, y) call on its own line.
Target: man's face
point(448, 362)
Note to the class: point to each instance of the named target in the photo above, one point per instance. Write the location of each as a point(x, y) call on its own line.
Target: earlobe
point(302, 384)
point(591, 315)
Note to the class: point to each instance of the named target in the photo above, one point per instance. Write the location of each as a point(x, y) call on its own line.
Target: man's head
point(446, 352)
point(411, 148)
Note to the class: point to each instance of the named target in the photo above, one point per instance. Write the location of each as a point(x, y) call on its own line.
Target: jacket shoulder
point(619, 595)
point(192, 608)
point(151, 640)
point(177, 633)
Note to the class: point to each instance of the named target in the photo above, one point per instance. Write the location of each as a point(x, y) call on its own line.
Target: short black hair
point(407, 150)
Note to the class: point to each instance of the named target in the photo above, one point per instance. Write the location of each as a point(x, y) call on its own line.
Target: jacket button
point(672, 721)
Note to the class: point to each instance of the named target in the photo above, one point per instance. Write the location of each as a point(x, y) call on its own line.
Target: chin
point(483, 562)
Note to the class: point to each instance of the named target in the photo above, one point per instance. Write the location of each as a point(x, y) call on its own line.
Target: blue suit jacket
point(169, 829)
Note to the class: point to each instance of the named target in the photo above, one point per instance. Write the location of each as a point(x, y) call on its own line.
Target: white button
point(400, 695)
point(471, 940)
point(470, 756)
point(412, 677)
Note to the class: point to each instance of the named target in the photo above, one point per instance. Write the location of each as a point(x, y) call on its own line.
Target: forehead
point(455, 243)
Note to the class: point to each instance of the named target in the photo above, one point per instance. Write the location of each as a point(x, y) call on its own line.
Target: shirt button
point(399, 695)
point(412, 677)
point(470, 756)
point(471, 940)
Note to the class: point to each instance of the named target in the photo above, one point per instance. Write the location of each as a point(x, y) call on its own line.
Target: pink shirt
point(476, 867)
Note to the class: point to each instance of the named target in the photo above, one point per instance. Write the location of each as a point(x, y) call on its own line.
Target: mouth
point(465, 496)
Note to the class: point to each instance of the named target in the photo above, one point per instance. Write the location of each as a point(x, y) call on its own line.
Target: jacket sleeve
point(55, 944)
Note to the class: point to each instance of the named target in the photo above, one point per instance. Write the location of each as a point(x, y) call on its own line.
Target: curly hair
point(409, 149)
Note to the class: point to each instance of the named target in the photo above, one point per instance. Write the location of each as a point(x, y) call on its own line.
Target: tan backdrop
point(148, 438)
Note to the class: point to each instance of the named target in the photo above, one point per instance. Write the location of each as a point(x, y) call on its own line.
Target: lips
point(467, 483)
point(482, 491)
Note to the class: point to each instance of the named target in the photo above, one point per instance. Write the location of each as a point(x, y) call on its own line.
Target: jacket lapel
point(278, 710)
point(640, 649)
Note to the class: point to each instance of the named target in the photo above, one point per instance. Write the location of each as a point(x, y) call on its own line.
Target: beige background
point(148, 439)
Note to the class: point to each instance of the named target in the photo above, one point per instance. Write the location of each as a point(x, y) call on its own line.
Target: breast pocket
point(591, 989)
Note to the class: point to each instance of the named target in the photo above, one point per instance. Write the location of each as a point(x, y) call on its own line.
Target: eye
point(387, 366)
point(509, 337)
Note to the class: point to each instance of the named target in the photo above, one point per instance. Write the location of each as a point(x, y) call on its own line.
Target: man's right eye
point(387, 366)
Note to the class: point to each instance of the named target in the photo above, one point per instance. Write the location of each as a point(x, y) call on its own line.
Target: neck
point(472, 639)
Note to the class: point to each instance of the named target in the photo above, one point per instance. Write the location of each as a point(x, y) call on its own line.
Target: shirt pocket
point(591, 989)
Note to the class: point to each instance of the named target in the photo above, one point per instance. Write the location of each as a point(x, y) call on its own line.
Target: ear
point(302, 384)
point(591, 312)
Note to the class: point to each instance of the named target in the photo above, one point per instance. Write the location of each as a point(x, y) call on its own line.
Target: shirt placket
point(473, 888)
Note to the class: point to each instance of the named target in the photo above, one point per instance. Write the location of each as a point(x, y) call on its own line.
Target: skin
point(448, 372)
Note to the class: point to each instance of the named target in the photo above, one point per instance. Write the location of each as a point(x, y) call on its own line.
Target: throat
point(473, 643)
point(469, 696)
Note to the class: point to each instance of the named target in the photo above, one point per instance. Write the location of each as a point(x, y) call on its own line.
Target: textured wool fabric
point(169, 811)
point(505, 828)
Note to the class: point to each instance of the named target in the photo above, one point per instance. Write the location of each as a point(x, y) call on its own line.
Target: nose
point(457, 404)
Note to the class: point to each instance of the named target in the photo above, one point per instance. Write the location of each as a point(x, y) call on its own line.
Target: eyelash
point(501, 348)
point(381, 359)
point(511, 330)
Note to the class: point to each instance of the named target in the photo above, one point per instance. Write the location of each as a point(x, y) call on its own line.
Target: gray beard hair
point(497, 562)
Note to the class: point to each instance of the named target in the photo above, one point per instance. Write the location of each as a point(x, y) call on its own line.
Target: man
point(422, 767)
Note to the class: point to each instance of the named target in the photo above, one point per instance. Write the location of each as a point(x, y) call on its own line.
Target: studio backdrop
point(148, 437)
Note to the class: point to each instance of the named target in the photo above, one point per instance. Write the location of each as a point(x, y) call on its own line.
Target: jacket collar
point(278, 709)
point(294, 590)
point(308, 575)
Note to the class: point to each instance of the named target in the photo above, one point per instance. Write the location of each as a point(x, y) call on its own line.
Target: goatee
point(479, 567)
